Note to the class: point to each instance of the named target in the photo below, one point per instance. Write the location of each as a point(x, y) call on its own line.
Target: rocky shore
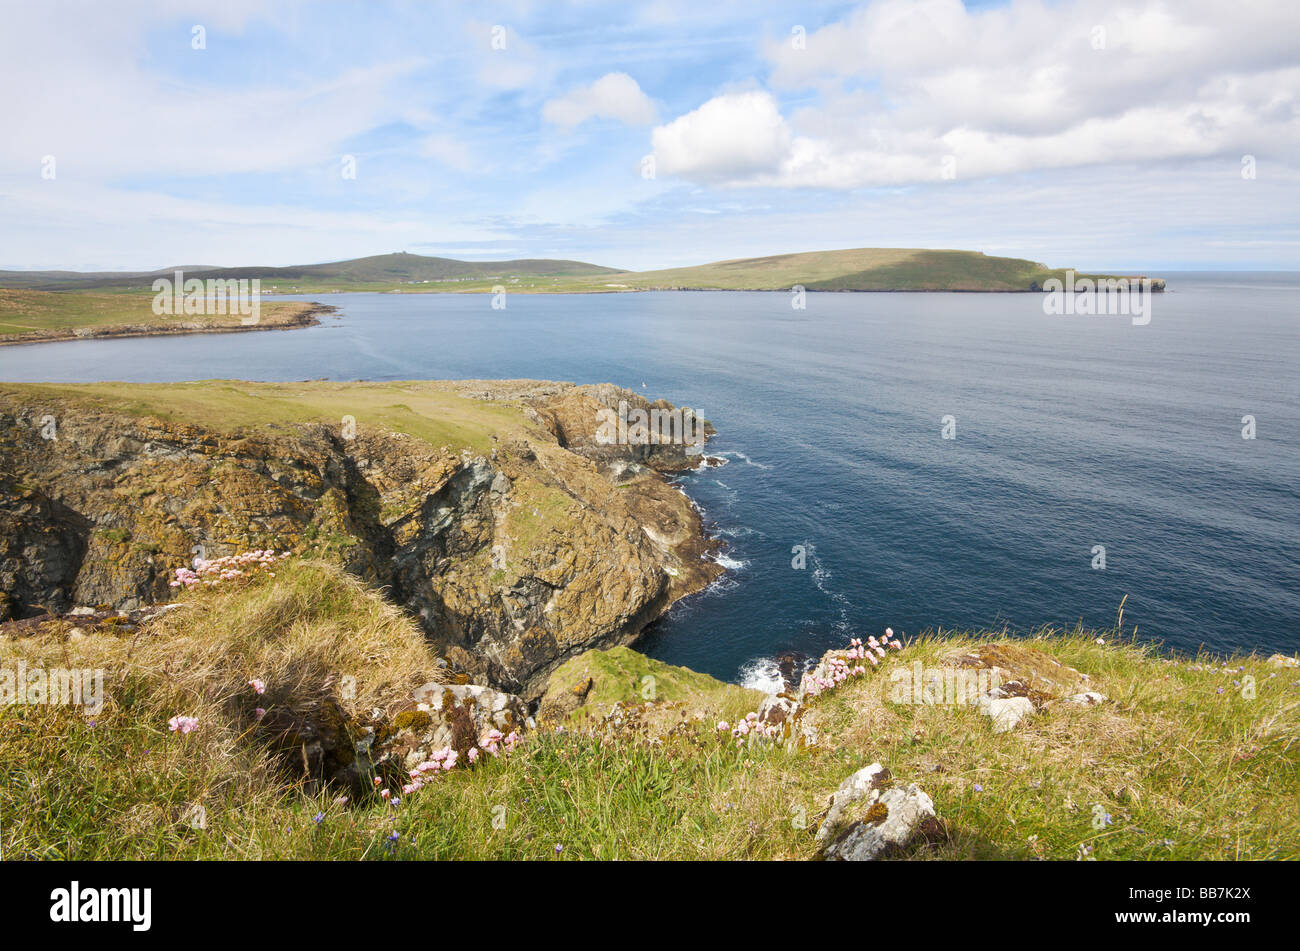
point(521, 544)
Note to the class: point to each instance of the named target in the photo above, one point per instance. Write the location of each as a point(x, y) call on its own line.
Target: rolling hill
point(381, 269)
point(854, 269)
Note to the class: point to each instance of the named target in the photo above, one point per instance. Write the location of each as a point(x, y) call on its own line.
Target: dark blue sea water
point(1071, 432)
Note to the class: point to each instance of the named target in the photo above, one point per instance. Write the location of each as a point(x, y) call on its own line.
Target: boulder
point(865, 784)
point(867, 821)
point(1281, 660)
point(1007, 712)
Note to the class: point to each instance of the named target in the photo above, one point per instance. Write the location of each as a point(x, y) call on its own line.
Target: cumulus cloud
point(905, 92)
point(613, 96)
point(733, 136)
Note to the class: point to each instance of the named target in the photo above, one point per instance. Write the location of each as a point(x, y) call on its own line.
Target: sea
point(921, 461)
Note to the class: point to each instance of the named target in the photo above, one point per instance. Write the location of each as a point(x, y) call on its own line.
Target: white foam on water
point(744, 458)
point(762, 674)
point(731, 564)
point(707, 462)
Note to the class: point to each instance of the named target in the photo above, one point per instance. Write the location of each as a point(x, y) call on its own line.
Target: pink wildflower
point(179, 724)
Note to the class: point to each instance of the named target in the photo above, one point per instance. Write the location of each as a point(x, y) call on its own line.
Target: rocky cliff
point(487, 509)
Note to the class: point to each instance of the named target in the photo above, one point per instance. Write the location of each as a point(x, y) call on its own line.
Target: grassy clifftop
point(1178, 763)
point(437, 412)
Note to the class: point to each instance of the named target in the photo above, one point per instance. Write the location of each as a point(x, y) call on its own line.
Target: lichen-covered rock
point(864, 785)
point(449, 716)
point(1281, 660)
point(1020, 671)
point(780, 710)
point(868, 819)
point(574, 416)
point(890, 824)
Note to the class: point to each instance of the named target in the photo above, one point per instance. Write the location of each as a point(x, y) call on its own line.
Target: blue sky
point(1090, 133)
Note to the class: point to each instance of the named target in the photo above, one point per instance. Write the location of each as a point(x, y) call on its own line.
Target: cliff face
point(514, 556)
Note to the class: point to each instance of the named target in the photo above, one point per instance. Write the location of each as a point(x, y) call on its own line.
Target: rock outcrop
point(867, 818)
point(533, 548)
point(1025, 681)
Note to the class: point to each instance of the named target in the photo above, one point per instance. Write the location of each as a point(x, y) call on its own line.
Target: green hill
point(856, 269)
point(384, 270)
point(852, 269)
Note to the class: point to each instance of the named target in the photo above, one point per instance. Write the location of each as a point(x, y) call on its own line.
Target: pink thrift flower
point(179, 724)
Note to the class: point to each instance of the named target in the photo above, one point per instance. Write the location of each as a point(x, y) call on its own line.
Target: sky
point(1098, 134)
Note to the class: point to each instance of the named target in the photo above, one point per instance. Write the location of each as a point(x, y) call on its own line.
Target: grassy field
point(429, 410)
point(38, 314)
point(1178, 764)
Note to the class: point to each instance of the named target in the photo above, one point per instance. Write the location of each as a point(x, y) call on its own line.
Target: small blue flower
point(979, 788)
point(318, 818)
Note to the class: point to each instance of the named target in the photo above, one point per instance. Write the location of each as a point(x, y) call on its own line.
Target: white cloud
point(730, 137)
point(901, 90)
point(84, 93)
point(613, 96)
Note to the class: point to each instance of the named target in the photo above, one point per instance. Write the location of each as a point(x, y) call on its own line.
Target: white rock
point(906, 809)
point(1089, 698)
point(1281, 660)
point(1007, 712)
point(866, 783)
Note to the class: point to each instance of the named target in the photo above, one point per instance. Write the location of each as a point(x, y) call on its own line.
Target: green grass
point(60, 314)
point(1183, 770)
point(428, 410)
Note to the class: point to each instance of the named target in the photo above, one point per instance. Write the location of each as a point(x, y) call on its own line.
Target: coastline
point(487, 507)
point(303, 319)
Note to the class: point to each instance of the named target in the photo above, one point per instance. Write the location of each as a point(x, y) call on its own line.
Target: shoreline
point(300, 321)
